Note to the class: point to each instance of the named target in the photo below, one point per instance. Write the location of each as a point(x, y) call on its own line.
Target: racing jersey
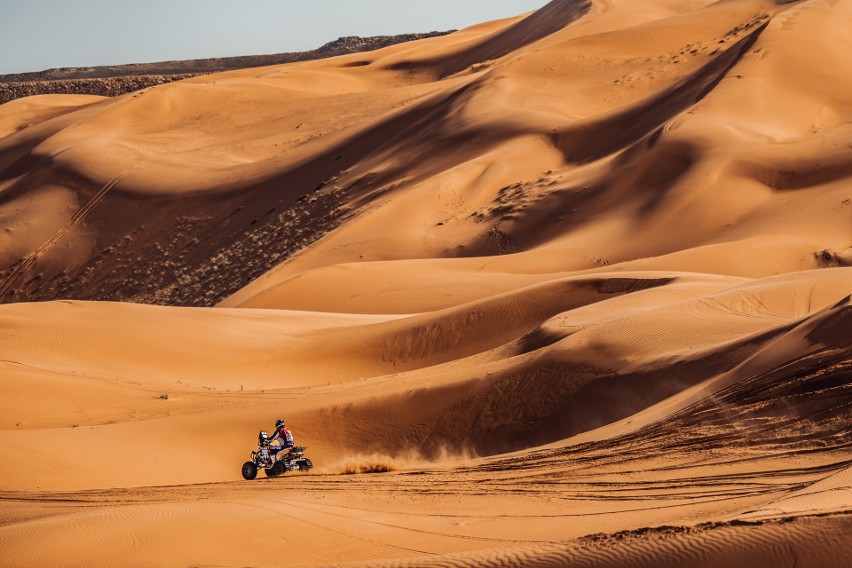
point(284, 437)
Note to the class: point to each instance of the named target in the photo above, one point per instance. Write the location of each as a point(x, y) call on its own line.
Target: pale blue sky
point(40, 34)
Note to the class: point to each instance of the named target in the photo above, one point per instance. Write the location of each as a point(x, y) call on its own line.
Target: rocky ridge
point(111, 81)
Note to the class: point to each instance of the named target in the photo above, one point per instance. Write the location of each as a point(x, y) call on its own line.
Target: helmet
point(279, 424)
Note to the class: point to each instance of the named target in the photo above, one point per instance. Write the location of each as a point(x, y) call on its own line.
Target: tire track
point(25, 264)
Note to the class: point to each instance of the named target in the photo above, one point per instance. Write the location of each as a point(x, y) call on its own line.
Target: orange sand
point(583, 283)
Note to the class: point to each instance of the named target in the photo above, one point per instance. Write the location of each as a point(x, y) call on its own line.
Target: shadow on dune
point(598, 139)
point(795, 399)
point(801, 174)
point(538, 25)
point(539, 402)
point(455, 333)
point(641, 178)
point(646, 166)
point(161, 250)
point(780, 401)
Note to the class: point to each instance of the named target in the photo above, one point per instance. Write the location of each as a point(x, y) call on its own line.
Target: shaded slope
point(607, 136)
point(543, 22)
point(564, 382)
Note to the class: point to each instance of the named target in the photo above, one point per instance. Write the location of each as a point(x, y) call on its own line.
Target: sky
point(42, 34)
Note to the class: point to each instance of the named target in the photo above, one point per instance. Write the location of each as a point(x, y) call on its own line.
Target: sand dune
point(571, 288)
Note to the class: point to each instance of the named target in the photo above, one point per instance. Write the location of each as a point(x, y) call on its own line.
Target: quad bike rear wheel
point(277, 469)
point(249, 470)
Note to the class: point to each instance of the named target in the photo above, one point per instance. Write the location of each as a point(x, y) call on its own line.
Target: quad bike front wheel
point(249, 470)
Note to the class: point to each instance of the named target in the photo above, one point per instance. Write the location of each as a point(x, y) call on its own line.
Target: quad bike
point(264, 458)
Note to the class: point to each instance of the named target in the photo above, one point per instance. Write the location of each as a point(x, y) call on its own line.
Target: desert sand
point(568, 289)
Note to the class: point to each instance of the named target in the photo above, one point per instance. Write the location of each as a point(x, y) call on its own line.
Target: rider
point(285, 439)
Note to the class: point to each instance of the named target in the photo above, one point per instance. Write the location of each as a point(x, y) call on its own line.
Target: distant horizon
point(247, 55)
point(98, 33)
